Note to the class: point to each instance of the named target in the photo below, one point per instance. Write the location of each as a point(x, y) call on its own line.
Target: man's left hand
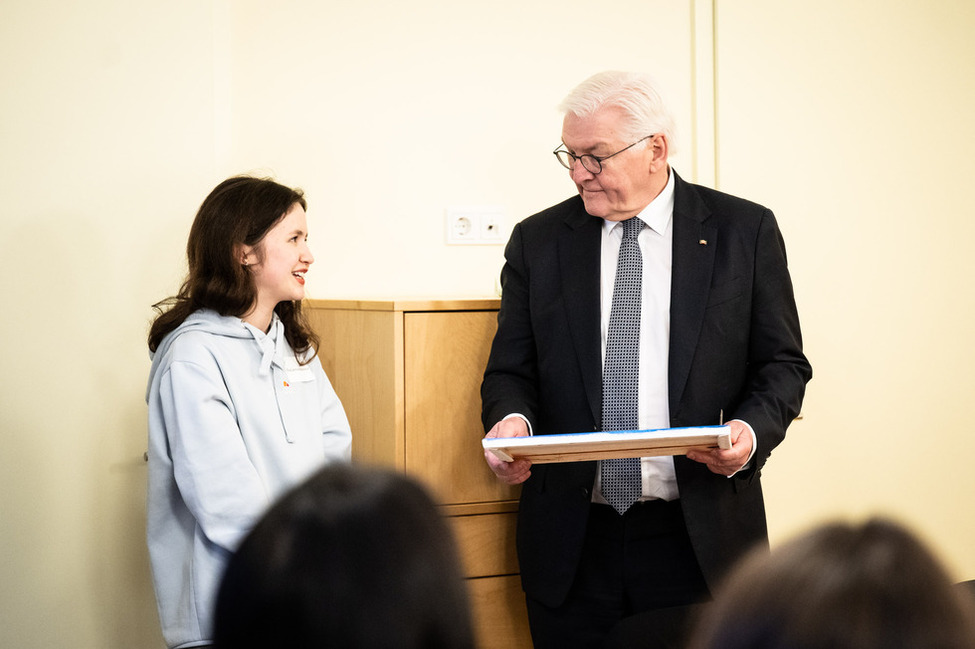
point(727, 462)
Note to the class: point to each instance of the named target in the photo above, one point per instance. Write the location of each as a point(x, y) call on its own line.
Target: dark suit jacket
point(735, 346)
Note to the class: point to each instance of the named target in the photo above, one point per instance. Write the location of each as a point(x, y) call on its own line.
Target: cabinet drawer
point(487, 543)
point(444, 359)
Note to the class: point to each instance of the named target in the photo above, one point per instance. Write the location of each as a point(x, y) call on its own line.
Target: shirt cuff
point(525, 419)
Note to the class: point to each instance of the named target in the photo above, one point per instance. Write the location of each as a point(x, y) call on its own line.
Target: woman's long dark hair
point(237, 213)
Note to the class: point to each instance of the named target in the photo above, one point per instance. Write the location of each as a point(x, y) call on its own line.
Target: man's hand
point(727, 462)
point(511, 473)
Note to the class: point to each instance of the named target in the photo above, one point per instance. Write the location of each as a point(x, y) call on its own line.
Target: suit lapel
point(692, 266)
point(579, 250)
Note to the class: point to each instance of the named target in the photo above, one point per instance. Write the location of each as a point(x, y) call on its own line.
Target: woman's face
point(279, 262)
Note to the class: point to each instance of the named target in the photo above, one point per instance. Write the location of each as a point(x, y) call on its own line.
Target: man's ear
point(661, 149)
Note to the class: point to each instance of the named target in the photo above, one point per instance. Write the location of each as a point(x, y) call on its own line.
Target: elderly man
point(644, 302)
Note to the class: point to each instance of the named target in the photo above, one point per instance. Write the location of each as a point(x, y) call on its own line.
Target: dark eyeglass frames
point(593, 164)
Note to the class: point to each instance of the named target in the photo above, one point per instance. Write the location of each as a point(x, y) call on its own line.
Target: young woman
point(240, 409)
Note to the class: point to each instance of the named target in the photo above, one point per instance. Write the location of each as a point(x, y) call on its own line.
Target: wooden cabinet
point(408, 373)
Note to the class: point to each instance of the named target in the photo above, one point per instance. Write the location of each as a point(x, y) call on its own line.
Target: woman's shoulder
point(201, 334)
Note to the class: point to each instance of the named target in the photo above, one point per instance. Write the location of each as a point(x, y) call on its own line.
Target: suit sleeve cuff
point(748, 462)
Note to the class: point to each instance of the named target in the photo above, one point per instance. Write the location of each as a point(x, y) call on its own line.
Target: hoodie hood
point(271, 345)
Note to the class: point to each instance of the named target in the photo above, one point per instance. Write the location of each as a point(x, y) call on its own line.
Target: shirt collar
point(658, 213)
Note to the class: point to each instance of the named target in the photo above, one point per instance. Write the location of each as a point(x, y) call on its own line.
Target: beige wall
point(853, 121)
point(116, 118)
point(389, 112)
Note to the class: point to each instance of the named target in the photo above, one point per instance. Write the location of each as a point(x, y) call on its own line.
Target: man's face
point(628, 181)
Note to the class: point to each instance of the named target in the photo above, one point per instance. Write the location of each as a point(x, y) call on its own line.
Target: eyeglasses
point(593, 164)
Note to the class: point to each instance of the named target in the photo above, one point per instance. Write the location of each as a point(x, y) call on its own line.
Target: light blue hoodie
point(234, 421)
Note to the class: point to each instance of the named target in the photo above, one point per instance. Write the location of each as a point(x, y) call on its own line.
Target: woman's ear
point(245, 255)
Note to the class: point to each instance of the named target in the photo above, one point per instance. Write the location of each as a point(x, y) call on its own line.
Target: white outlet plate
point(475, 225)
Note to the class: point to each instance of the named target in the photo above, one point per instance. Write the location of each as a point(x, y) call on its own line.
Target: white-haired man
point(715, 331)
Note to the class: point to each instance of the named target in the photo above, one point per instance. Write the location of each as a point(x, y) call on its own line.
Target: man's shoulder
point(571, 212)
point(569, 207)
point(717, 202)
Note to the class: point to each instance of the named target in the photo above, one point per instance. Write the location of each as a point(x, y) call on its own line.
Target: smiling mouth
point(300, 276)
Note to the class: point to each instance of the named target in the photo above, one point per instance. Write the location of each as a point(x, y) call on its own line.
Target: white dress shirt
point(656, 246)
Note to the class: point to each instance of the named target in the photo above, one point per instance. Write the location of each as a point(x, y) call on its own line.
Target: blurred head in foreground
point(354, 558)
point(872, 585)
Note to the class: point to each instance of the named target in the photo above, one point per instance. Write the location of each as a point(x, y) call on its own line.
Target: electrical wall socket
point(475, 225)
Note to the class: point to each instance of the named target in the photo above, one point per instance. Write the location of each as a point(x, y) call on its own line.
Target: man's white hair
point(637, 94)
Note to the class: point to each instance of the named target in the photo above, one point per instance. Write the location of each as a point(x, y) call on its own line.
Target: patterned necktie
point(621, 478)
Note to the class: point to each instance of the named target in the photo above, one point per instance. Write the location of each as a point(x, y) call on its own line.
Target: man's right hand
point(515, 472)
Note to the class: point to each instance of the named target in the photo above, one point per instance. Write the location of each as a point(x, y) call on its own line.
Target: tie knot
point(632, 227)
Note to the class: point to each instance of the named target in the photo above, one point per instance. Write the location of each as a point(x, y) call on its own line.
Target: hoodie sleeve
point(216, 479)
